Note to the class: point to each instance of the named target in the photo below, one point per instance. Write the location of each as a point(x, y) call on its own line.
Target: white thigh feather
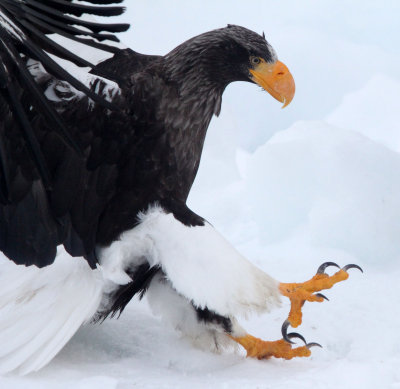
point(200, 264)
point(181, 315)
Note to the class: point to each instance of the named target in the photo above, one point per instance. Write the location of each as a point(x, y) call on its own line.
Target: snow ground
point(290, 189)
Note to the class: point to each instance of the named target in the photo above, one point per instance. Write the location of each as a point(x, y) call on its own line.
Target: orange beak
point(276, 79)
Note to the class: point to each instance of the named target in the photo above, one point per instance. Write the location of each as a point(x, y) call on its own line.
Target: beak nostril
point(280, 73)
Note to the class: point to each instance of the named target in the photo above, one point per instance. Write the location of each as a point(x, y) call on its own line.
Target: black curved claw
point(313, 344)
point(284, 328)
point(352, 266)
point(321, 269)
point(321, 295)
point(292, 335)
point(296, 335)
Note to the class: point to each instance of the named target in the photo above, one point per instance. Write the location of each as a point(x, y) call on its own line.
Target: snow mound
point(374, 111)
point(336, 187)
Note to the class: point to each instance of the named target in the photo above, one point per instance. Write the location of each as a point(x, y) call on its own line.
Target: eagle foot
point(299, 293)
point(262, 349)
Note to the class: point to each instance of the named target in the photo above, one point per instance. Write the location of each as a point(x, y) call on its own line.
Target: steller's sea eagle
point(95, 171)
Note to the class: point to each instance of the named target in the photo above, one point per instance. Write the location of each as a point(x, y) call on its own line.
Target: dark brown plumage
point(76, 171)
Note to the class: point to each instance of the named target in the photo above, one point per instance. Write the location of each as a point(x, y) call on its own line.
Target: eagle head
point(216, 58)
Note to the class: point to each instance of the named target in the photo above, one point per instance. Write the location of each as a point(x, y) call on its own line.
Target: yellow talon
point(262, 349)
point(299, 293)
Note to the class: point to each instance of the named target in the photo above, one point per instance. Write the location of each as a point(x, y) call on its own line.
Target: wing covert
point(40, 150)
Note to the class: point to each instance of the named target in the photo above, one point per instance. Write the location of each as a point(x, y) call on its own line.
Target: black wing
point(24, 25)
point(60, 138)
point(127, 59)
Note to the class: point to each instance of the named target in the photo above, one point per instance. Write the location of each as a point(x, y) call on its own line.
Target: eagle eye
point(255, 60)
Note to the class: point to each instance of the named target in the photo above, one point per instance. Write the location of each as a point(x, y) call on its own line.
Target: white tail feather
point(41, 309)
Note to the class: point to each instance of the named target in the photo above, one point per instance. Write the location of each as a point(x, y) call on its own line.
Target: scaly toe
point(299, 293)
point(261, 349)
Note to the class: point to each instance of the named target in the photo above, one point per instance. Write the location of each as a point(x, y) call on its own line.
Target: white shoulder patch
point(62, 91)
point(41, 309)
point(198, 261)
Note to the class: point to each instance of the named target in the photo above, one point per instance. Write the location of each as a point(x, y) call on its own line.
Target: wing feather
point(69, 143)
point(40, 309)
point(44, 182)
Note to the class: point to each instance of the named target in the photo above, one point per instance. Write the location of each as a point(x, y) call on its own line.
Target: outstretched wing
point(23, 34)
point(58, 164)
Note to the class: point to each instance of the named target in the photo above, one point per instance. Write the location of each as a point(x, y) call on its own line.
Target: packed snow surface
point(290, 189)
